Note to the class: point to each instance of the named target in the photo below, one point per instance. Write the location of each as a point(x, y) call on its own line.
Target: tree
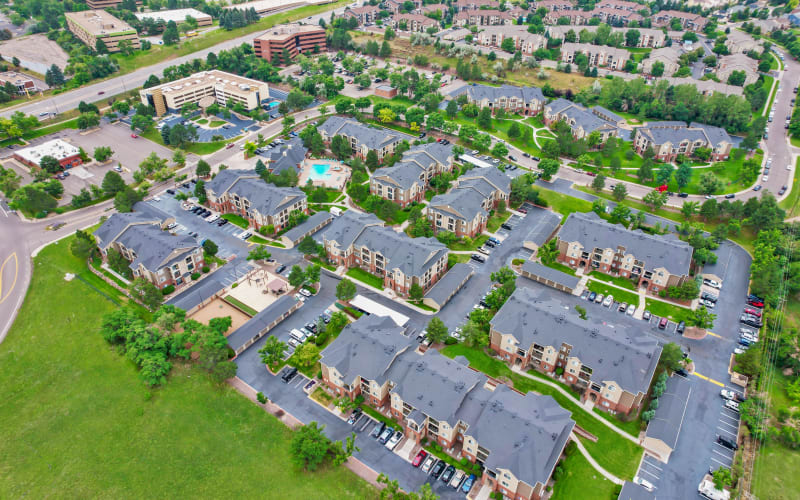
point(83, 245)
point(548, 252)
point(415, 292)
point(54, 77)
point(259, 252)
point(179, 157)
point(296, 276)
point(49, 164)
point(664, 173)
point(484, 120)
point(689, 208)
point(210, 247)
point(307, 246)
point(632, 37)
point(645, 172)
point(100, 47)
point(437, 331)
point(310, 445)
point(709, 183)
point(672, 356)
point(452, 108)
point(203, 169)
point(549, 167)
point(126, 198)
point(272, 352)
point(112, 183)
point(619, 192)
point(372, 159)
point(307, 354)
point(171, 35)
point(345, 290)
point(599, 182)
point(683, 175)
point(146, 293)
point(102, 153)
point(701, 317)
point(474, 335)
point(655, 199)
point(657, 69)
point(386, 115)
point(503, 275)
point(313, 273)
point(200, 191)
point(722, 478)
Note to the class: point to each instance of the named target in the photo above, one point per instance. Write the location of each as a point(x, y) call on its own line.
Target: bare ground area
point(35, 52)
point(218, 308)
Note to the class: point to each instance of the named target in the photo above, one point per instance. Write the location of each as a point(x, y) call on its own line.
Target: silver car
point(631, 310)
point(391, 443)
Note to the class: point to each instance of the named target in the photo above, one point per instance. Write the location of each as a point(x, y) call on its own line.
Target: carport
point(262, 323)
point(550, 277)
point(543, 223)
point(310, 226)
point(664, 429)
point(448, 285)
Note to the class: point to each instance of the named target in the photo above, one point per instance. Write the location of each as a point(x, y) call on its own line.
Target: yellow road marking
point(715, 335)
point(709, 379)
point(251, 243)
point(13, 283)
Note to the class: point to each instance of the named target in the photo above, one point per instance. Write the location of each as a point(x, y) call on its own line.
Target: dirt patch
point(35, 52)
point(218, 308)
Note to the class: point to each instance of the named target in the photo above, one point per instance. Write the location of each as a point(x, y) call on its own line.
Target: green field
point(77, 421)
point(240, 305)
point(662, 309)
point(493, 224)
point(563, 203)
point(558, 266)
point(616, 280)
point(775, 475)
point(236, 219)
point(581, 480)
point(619, 295)
point(790, 203)
point(366, 277)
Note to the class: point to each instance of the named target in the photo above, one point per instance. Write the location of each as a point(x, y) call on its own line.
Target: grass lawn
point(322, 396)
point(775, 474)
point(617, 280)
point(198, 148)
point(421, 305)
point(42, 131)
point(201, 121)
point(790, 202)
point(372, 412)
point(632, 427)
point(564, 204)
point(768, 85)
point(75, 413)
point(240, 305)
point(455, 258)
point(365, 277)
point(581, 480)
point(634, 162)
point(613, 452)
point(329, 267)
point(493, 224)
point(462, 246)
point(558, 266)
point(619, 295)
point(675, 313)
point(536, 121)
point(217, 123)
point(236, 219)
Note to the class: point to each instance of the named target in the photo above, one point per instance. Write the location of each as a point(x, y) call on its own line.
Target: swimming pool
point(320, 172)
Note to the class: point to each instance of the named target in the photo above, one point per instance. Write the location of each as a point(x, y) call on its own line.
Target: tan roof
point(286, 30)
point(99, 22)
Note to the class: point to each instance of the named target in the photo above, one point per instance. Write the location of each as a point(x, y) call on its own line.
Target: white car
point(608, 301)
point(644, 483)
point(305, 292)
point(457, 478)
point(212, 218)
point(599, 298)
point(727, 394)
point(394, 440)
point(299, 297)
point(426, 466)
point(732, 405)
point(243, 235)
point(712, 283)
point(739, 350)
point(631, 310)
point(765, 178)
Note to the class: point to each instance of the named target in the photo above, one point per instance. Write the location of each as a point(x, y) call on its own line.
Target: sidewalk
point(614, 479)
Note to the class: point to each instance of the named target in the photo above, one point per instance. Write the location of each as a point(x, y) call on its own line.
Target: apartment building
point(407, 180)
point(526, 101)
point(517, 438)
point(482, 17)
point(433, 7)
point(68, 156)
point(583, 121)
point(740, 42)
point(655, 262)
point(647, 37)
point(670, 139)
point(288, 155)
point(244, 193)
point(689, 21)
point(365, 14)
point(293, 38)
point(105, 4)
point(363, 138)
point(464, 210)
point(527, 43)
point(155, 255)
point(599, 55)
point(707, 87)
point(360, 240)
point(737, 62)
point(612, 366)
point(89, 26)
point(179, 16)
point(620, 5)
point(668, 56)
point(474, 4)
point(223, 87)
point(615, 16)
point(555, 9)
point(413, 22)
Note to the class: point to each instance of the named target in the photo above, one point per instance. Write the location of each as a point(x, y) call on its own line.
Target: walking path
point(614, 479)
point(597, 417)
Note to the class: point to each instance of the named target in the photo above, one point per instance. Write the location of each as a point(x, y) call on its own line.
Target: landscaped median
point(616, 454)
point(365, 277)
point(665, 310)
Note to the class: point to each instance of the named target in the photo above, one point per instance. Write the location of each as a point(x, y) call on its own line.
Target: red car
point(755, 303)
point(754, 312)
point(419, 458)
point(134, 136)
point(229, 146)
point(522, 210)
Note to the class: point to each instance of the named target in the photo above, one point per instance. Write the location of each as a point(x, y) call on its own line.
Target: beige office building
point(170, 97)
point(92, 25)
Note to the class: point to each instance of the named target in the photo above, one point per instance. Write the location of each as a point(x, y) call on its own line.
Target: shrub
point(321, 338)
point(206, 269)
point(195, 276)
point(319, 375)
point(518, 262)
point(450, 341)
point(234, 285)
point(261, 398)
point(168, 289)
point(559, 370)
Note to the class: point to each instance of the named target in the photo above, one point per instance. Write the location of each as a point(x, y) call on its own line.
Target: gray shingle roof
point(527, 94)
point(367, 348)
point(287, 155)
point(260, 321)
point(557, 106)
point(625, 355)
point(432, 383)
point(450, 283)
point(715, 135)
point(551, 274)
point(402, 175)
point(412, 256)
point(492, 175)
point(584, 118)
point(372, 137)
point(313, 221)
point(667, 422)
point(606, 114)
point(345, 229)
point(155, 248)
point(464, 204)
point(266, 198)
point(540, 224)
point(524, 434)
point(665, 251)
point(413, 163)
point(117, 223)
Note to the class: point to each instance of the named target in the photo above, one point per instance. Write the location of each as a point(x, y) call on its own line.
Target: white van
point(297, 335)
point(336, 211)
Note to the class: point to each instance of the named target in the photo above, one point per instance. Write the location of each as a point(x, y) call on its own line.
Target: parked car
point(631, 310)
point(392, 443)
point(289, 374)
point(599, 298)
point(608, 301)
point(468, 484)
point(755, 302)
point(709, 296)
point(732, 405)
point(750, 320)
point(477, 257)
point(506, 226)
point(280, 269)
point(494, 240)
point(727, 394)
point(448, 474)
point(709, 304)
point(457, 479)
point(427, 464)
point(712, 283)
point(623, 307)
point(386, 435)
point(438, 469)
point(592, 296)
point(753, 311)
point(681, 327)
point(646, 315)
point(585, 294)
point(662, 324)
point(419, 458)
point(378, 430)
point(727, 443)
point(354, 416)
point(682, 372)
point(305, 292)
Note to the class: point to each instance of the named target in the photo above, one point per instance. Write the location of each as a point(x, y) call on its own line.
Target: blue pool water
point(320, 171)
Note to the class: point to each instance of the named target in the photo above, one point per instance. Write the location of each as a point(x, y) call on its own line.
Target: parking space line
point(727, 424)
point(729, 417)
point(647, 471)
point(721, 463)
point(651, 465)
point(720, 453)
point(707, 379)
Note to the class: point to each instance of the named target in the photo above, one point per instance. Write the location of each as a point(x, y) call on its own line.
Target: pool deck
point(337, 178)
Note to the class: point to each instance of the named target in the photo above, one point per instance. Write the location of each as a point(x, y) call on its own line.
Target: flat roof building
point(23, 83)
point(66, 154)
point(178, 15)
point(104, 4)
point(169, 97)
point(294, 38)
point(93, 25)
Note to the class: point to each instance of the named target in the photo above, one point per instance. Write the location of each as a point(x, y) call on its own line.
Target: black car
point(727, 443)
point(422, 134)
point(438, 469)
point(535, 158)
point(489, 244)
point(280, 269)
point(512, 158)
point(782, 190)
point(477, 257)
point(709, 296)
point(171, 191)
point(222, 222)
point(289, 374)
point(683, 195)
point(378, 430)
point(592, 296)
point(681, 327)
point(526, 155)
point(311, 327)
point(682, 372)
point(185, 185)
point(729, 195)
point(194, 210)
point(506, 226)
point(448, 474)
point(325, 318)
point(193, 181)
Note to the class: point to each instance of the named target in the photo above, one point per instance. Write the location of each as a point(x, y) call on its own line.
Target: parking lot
point(233, 127)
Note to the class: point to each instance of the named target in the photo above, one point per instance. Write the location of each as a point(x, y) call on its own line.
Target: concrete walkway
point(614, 479)
point(594, 415)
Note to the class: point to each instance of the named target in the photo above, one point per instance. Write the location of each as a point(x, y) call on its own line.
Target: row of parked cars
point(448, 474)
point(298, 336)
